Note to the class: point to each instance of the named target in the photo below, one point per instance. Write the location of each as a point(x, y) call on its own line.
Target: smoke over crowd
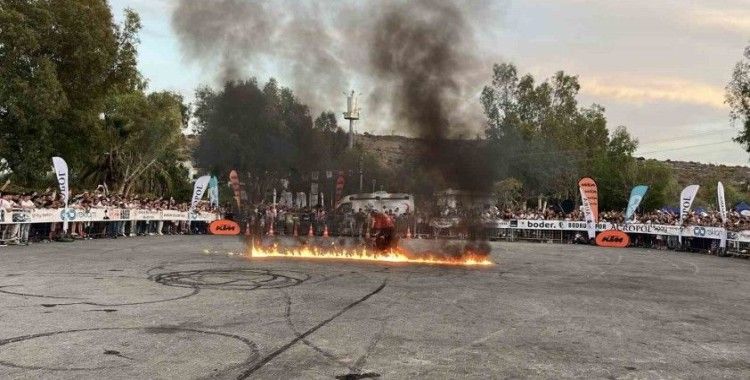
point(419, 48)
point(413, 60)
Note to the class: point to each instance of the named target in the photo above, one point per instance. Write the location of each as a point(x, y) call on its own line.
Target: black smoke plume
point(321, 49)
point(294, 36)
point(417, 57)
point(420, 52)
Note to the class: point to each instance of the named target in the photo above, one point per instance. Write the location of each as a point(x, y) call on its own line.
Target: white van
point(398, 203)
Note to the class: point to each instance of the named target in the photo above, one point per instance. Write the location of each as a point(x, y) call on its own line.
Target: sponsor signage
point(558, 225)
point(146, 215)
point(224, 227)
point(612, 238)
point(198, 189)
point(98, 215)
point(635, 228)
point(173, 215)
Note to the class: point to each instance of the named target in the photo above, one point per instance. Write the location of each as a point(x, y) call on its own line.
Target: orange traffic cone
point(408, 233)
point(325, 230)
point(310, 233)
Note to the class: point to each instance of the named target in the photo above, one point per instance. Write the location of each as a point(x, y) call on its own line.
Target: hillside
point(397, 149)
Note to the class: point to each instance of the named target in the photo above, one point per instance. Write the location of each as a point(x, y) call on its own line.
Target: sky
point(659, 67)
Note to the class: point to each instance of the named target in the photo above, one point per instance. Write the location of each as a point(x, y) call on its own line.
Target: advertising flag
point(200, 187)
point(213, 191)
point(722, 202)
point(339, 188)
point(590, 199)
point(636, 195)
point(722, 213)
point(61, 172)
point(686, 201)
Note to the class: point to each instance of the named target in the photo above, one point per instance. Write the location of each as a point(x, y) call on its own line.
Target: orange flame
point(397, 255)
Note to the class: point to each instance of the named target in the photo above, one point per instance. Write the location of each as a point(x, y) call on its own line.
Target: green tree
point(738, 98)
point(615, 170)
point(260, 133)
point(31, 96)
point(143, 144)
point(59, 61)
point(508, 192)
point(538, 134)
point(663, 189)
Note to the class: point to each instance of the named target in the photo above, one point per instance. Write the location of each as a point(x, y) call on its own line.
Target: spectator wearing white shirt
point(26, 206)
point(7, 231)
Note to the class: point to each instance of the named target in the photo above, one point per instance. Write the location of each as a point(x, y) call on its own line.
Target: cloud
point(650, 90)
point(734, 20)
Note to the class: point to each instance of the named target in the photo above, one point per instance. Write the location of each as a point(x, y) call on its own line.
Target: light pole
point(351, 114)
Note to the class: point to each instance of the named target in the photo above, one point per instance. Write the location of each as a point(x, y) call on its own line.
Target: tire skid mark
point(265, 360)
point(373, 343)
point(33, 295)
point(328, 355)
point(192, 293)
point(359, 362)
point(154, 330)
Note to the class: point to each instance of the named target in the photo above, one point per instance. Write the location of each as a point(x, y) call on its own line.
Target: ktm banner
point(613, 238)
point(590, 199)
point(224, 227)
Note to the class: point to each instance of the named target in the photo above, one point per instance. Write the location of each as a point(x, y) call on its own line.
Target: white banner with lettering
point(633, 228)
point(101, 215)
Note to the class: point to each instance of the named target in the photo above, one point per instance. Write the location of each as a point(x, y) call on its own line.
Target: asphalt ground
point(184, 307)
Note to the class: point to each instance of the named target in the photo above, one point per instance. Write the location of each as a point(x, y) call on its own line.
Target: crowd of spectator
point(284, 220)
point(735, 221)
point(22, 233)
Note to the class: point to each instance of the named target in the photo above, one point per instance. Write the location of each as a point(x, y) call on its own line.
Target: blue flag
point(635, 199)
point(213, 191)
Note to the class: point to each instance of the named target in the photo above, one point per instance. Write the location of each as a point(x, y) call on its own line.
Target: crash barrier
point(656, 236)
point(59, 215)
point(40, 224)
point(644, 235)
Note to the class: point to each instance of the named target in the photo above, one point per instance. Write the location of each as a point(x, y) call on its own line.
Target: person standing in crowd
point(121, 231)
point(320, 220)
point(27, 206)
point(79, 204)
point(289, 222)
point(280, 226)
point(368, 222)
point(158, 206)
point(7, 231)
point(359, 222)
point(349, 221)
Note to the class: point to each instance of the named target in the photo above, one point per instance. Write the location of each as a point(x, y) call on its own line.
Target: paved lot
point(181, 307)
